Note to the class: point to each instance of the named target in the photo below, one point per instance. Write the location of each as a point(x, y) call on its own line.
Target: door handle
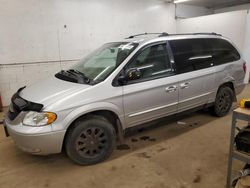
point(171, 89)
point(184, 85)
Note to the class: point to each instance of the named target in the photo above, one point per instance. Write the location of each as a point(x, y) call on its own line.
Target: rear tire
point(223, 102)
point(90, 141)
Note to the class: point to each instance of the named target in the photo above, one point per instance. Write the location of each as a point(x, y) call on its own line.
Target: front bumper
point(35, 140)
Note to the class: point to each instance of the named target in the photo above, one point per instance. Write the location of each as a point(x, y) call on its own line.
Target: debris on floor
point(141, 130)
point(193, 124)
point(161, 149)
point(144, 138)
point(181, 123)
point(152, 139)
point(134, 140)
point(143, 155)
point(123, 147)
point(197, 179)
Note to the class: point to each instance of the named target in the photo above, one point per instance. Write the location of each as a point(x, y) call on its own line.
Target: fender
point(228, 79)
point(73, 115)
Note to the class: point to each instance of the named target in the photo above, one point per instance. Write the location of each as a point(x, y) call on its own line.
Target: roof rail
point(160, 34)
point(213, 33)
point(197, 34)
point(164, 34)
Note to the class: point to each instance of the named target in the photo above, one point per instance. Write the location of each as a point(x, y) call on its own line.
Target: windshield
point(98, 65)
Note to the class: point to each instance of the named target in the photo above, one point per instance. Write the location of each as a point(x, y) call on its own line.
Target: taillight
point(245, 67)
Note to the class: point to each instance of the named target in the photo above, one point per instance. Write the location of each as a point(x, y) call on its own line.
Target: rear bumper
point(35, 143)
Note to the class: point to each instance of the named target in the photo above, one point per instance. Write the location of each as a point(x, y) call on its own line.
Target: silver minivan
point(86, 109)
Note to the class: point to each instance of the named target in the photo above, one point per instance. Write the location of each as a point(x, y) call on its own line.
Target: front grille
point(13, 111)
point(18, 104)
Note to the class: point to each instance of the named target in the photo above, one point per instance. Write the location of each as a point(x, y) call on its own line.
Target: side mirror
point(133, 74)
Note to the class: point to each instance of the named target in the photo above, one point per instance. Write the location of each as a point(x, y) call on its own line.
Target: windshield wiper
point(78, 73)
point(73, 76)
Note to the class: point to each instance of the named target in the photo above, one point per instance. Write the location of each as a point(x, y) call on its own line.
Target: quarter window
point(223, 51)
point(191, 54)
point(152, 62)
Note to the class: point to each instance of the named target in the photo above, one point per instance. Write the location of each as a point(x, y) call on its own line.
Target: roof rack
point(198, 34)
point(160, 34)
point(213, 33)
point(164, 34)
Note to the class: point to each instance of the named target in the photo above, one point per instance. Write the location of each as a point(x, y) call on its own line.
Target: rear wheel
point(223, 102)
point(90, 141)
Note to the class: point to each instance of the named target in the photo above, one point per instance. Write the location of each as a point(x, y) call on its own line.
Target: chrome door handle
point(171, 89)
point(184, 85)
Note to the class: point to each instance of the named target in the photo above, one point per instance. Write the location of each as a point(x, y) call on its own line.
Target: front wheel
point(90, 141)
point(223, 102)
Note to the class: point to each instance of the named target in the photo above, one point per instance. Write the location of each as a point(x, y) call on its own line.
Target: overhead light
point(180, 1)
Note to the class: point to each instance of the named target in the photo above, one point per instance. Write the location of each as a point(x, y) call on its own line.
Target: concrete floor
point(176, 156)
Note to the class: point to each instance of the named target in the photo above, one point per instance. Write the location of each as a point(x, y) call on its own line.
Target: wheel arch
point(110, 115)
point(229, 84)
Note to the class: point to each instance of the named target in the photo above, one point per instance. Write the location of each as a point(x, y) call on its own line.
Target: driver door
point(155, 93)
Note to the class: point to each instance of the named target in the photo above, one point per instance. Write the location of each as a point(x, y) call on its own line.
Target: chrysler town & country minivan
point(87, 108)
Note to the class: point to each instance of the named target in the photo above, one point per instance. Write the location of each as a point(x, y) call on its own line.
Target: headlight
point(37, 119)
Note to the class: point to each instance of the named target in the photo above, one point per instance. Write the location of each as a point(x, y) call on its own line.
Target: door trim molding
point(152, 109)
point(192, 98)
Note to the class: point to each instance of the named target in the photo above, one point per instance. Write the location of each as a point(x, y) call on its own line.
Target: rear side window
point(223, 51)
point(191, 54)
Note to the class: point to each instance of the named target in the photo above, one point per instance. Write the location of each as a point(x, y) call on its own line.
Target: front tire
point(223, 102)
point(90, 141)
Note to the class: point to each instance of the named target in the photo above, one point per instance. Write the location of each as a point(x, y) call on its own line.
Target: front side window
point(98, 65)
point(191, 54)
point(152, 62)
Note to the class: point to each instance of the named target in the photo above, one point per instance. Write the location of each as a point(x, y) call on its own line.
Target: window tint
point(223, 51)
point(191, 54)
point(152, 62)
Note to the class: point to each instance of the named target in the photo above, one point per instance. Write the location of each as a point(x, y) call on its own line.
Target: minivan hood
point(50, 90)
